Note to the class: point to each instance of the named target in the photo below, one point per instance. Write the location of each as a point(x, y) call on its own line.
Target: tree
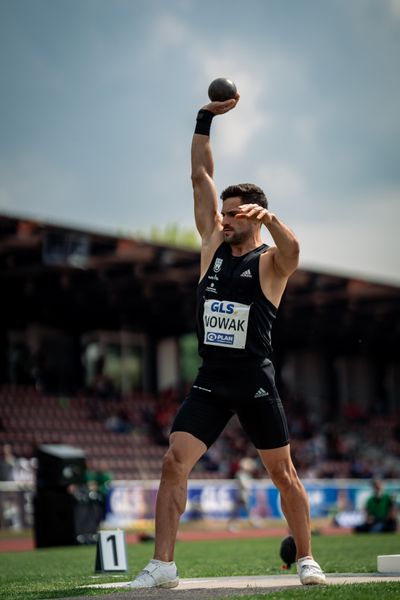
point(175, 235)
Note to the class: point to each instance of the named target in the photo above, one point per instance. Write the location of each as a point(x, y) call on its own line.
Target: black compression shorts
point(221, 391)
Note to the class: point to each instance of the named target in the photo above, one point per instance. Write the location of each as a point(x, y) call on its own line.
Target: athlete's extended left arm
point(285, 255)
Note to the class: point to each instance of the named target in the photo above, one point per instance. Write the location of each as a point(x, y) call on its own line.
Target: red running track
point(24, 544)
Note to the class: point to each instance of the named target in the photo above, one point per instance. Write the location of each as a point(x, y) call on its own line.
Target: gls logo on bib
point(225, 323)
point(222, 307)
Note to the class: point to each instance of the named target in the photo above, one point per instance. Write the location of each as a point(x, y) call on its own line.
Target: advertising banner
point(134, 502)
point(131, 504)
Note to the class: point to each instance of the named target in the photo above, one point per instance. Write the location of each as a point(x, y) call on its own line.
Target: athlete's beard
point(235, 238)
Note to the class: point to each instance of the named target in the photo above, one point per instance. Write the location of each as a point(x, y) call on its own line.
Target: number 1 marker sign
point(111, 551)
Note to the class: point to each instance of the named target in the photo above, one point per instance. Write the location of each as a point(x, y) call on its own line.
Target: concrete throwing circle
point(208, 588)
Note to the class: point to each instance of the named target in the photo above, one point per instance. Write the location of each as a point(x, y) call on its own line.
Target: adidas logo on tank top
point(260, 393)
point(246, 273)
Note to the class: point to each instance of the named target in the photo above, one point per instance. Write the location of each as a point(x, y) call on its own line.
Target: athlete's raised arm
point(207, 216)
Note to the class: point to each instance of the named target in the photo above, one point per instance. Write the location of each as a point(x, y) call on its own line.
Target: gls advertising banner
point(130, 502)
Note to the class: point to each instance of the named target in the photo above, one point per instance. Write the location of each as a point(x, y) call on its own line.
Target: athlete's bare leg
point(294, 500)
point(183, 453)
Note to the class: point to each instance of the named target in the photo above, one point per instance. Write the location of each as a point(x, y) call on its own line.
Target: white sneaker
point(310, 572)
point(157, 574)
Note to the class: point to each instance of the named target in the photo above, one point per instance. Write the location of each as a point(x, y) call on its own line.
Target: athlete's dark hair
point(248, 192)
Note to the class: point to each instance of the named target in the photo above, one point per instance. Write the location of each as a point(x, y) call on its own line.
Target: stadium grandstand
point(98, 350)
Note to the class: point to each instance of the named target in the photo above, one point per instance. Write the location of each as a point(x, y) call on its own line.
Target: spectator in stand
point(163, 416)
point(98, 483)
point(25, 470)
point(119, 422)
point(360, 468)
point(100, 392)
point(244, 477)
point(8, 464)
point(380, 512)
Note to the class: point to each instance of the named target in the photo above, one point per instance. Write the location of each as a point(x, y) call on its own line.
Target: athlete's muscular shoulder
point(272, 282)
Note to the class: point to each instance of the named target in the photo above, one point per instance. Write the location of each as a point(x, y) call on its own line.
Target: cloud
point(34, 184)
point(394, 7)
point(226, 58)
point(267, 88)
point(169, 31)
point(365, 243)
point(231, 61)
point(283, 181)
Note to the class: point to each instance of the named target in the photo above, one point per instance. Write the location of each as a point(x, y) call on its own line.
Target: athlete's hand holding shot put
point(242, 281)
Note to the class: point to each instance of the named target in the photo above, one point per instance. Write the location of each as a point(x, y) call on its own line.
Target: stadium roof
point(82, 280)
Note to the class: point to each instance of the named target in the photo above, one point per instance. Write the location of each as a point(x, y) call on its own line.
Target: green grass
point(60, 572)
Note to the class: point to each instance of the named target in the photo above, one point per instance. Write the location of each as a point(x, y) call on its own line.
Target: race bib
point(225, 323)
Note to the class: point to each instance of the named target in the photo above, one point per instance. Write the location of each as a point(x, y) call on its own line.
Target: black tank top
point(234, 319)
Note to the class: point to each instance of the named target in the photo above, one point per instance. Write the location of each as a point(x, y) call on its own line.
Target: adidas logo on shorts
point(260, 393)
point(246, 274)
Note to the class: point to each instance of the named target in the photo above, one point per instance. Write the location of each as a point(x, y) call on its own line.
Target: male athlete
point(241, 285)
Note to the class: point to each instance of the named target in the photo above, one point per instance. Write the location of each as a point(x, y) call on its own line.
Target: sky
point(98, 100)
